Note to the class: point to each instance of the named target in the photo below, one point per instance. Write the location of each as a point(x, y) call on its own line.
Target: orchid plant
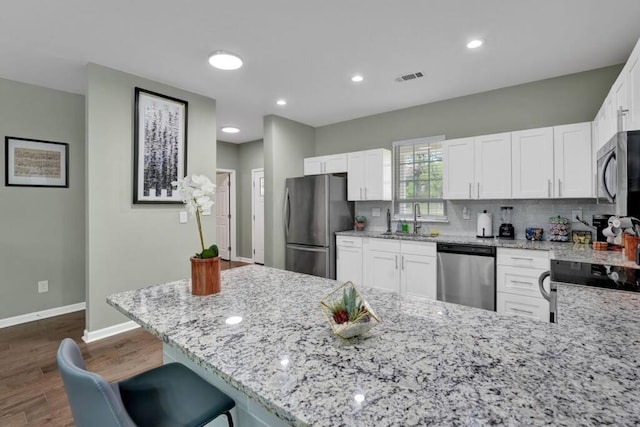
point(197, 192)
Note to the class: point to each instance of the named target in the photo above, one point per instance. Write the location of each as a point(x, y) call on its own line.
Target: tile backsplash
point(526, 213)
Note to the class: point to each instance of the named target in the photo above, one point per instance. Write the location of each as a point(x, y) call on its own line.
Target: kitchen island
point(428, 362)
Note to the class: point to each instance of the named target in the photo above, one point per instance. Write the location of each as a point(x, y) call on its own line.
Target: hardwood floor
point(31, 390)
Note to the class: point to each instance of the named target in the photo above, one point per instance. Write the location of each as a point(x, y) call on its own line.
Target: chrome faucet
point(416, 214)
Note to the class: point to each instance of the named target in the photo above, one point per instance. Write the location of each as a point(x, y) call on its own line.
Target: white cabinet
point(573, 161)
point(405, 267)
point(477, 168)
point(620, 93)
point(457, 168)
point(336, 163)
point(493, 166)
point(632, 69)
point(517, 290)
point(369, 175)
point(532, 156)
point(349, 259)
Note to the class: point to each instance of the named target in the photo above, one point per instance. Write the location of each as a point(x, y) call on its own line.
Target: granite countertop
point(428, 362)
point(562, 251)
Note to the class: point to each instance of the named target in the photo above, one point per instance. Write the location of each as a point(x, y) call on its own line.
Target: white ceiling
point(306, 51)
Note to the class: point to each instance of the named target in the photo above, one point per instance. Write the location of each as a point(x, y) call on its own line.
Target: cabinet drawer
point(384, 245)
point(418, 248)
point(348, 241)
point(523, 258)
point(529, 307)
point(519, 281)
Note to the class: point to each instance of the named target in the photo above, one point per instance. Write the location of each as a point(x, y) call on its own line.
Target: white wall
point(130, 246)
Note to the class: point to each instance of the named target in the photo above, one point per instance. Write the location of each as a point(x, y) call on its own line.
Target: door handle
point(549, 187)
point(522, 258)
point(559, 192)
point(469, 190)
point(285, 212)
point(522, 282)
point(478, 194)
point(396, 257)
point(402, 256)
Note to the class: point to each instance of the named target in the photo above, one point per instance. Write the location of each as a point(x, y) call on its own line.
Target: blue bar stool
point(170, 395)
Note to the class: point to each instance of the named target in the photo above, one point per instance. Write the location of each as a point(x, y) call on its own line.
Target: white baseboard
point(37, 315)
point(108, 332)
point(243, 259)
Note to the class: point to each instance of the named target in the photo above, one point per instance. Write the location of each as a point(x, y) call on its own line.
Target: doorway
point(257, 215)
point(226, 213)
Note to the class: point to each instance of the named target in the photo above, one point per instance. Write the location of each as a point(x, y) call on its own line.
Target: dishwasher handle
point(541, 279)
point(464, 249)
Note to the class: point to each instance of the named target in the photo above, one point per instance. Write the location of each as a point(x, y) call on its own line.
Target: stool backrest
point(94, 402)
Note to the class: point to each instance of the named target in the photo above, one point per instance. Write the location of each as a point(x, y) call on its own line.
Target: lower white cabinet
point(401, 266)
point(520, 305)
point(349, 259)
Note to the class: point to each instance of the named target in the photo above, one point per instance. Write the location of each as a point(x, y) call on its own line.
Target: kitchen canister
point(533, 233)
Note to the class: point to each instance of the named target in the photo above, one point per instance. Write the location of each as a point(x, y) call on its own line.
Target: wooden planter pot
point(205, 276)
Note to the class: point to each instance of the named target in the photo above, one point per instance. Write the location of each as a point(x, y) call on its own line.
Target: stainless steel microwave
point(618, 173)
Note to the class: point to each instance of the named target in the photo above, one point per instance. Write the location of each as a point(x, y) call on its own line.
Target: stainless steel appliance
point(586, 274)
point(506, 230)
point(315, 207)
point(618, 173)
point(467, 275)
point(600, 222)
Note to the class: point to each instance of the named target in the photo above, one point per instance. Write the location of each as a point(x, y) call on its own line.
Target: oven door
point(607, 173)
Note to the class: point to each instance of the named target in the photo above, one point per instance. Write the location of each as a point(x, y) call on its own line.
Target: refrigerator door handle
point(285, 212)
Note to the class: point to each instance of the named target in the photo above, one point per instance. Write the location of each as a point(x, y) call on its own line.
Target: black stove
point(597, 275)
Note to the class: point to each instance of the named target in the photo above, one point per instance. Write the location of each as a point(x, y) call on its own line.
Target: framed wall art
point(36, 163)
point(160, 147)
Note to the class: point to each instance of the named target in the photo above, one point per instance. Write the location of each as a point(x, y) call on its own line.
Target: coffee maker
point(600, 222)
point(506, 230)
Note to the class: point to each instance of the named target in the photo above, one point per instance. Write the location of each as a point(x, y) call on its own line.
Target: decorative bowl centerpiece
point(347, 312)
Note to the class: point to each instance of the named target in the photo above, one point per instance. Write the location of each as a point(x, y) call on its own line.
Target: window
point(418, 178)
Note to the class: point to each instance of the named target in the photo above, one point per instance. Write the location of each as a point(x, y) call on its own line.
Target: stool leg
point(229, 419)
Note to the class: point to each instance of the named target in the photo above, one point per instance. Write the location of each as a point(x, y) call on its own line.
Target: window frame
point(396, 184)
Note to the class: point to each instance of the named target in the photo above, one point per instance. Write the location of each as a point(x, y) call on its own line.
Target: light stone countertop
point(427, 363)
point(561, 251)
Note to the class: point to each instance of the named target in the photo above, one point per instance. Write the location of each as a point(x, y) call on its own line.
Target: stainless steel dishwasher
point(467, 275)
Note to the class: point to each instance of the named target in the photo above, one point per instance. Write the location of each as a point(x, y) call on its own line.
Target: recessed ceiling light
point(225, 60)
point(357, 78)
point(230, 129)
point(281, 102)
point(475, 43)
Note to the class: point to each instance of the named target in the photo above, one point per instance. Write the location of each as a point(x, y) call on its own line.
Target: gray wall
point(42, 229)
point(286, 144)
point(130, 246)
point(561, 100)
point(250, 156)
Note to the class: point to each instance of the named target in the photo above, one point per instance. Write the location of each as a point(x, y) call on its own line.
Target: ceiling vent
point(411, 76)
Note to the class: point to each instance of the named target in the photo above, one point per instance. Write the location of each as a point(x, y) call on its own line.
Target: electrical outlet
point(43, 286)
point(576, 213)
point(183, 217)
point(465, 213)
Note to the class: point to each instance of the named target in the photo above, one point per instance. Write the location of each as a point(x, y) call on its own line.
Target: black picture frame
point(35, 163)
point(159, 147)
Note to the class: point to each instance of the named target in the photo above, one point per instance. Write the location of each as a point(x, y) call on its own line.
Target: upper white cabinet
point(369, 175)
point(532, 175)
point(477, 168)
point(633, 86)
point(457, 168)
point(493, 166)
point(573, 169)
point(335, 163)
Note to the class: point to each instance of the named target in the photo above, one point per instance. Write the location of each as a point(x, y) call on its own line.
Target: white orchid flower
point(196, 192)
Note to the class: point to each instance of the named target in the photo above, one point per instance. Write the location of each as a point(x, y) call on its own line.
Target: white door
point(419, 276)
point(573, 163)
point(382, 270)
point(621, 102)
point(355, 176)
point(257, 229)
point(223, 214)
point(457, 169)
point(349, 264)
point(493, 166)
point(532, 173)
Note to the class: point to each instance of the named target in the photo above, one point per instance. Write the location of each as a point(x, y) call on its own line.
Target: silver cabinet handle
point(360, 193)
point(517, 310)
point(469, 190)
point(365, 193)
point(522, 282)
point(597, 185)
point(559, 192)
point(346, 241)
point(478, 195)
point(522, 258)
point(549, 187)
point(396, 256)
point(403, 262)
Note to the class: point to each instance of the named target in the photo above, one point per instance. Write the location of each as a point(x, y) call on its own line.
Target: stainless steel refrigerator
point(315, 207)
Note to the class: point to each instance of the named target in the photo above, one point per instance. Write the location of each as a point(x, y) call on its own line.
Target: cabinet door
point(610, 117)
point(493, 166)
point(355, 176)
point(532, 163)
point(313, 166)
point(377, 175)
point(349, 264)
point(633, 83)
point(529, 307)
point(335, 163)
point(418, 274)
point(573, 161)
point(621, 102)
point(382, 270)
point(458, 169)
